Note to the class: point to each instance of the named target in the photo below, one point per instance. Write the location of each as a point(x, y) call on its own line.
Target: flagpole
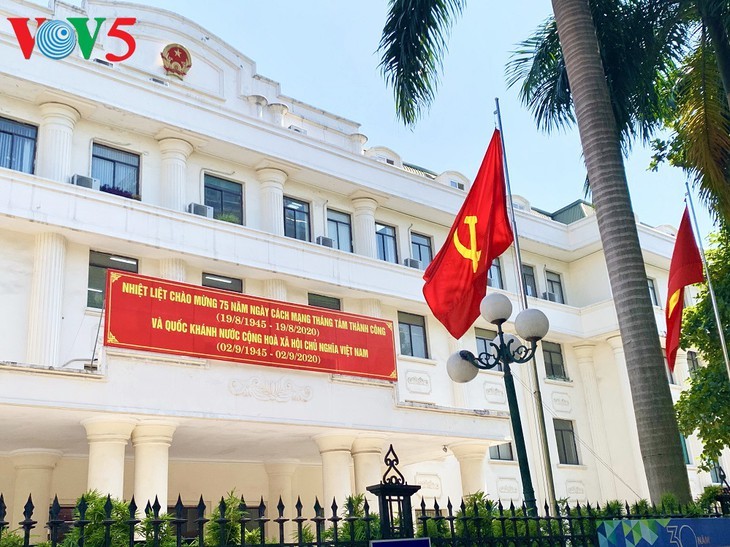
point(537, 393)
point(709, 281)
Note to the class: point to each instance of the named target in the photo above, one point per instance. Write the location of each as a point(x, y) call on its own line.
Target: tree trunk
point(658, 434)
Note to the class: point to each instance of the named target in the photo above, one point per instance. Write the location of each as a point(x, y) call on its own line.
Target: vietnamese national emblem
point(176, 60)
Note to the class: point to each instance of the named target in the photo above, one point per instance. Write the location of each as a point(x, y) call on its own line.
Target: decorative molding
point(279, 391)
point(508, 488)
point(418, 382)
point(562, 402)
point(494, 393)
point(430, 484)
point(575, 490)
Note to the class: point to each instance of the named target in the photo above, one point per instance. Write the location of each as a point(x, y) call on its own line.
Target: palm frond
point(412, 48)
point(703, 129)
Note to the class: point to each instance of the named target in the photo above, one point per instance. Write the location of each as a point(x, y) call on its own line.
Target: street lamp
point(463, 366)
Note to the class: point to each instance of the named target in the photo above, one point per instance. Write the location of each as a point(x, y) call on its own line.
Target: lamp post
point(463, 366)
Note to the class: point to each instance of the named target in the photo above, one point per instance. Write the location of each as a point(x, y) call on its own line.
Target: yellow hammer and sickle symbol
point(471, 252)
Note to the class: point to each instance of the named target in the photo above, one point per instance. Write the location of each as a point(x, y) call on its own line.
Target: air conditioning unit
point(86, 182)
point(551, 296)
point(412, 263)
point(326, 241)
point(200, 209)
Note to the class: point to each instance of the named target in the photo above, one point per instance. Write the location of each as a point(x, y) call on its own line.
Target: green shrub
point(96, 513)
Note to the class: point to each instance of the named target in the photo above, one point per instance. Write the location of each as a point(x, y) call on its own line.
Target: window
point(554, 287)
point(339, 230)
point(296, 219)
point(501, 452)
point(412, 330)
point(670, 373)
point(17, 145)
point(385, 241)
point(685, 452)
point(494, 275)
point(456, 184)
point(117, 171)
point(99, 263)
point(716, 473)
point(528, 280)
point(693, 363)
point(484, 337)
point(322, 301)
point(222, 282)
point(552, 353)
point(565, 437)
point(652, 291)
point(225, 197)
point(421, 249)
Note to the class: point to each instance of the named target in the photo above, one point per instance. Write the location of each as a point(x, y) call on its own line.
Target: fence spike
point(449, 506)
point(108, 506)
point(334, 507)
point(222, 507)
point(148, 508)
point(179, 507)
point(3, 511)
point(547, 509)
point(423, 505)
point(500, 507)
point(318, 509)
point(262, 508)
point(201, 507)
point(366, 507)
point(82, 506)
point(628, 509)
point(512, 507)
point(132, 508)
point(299, 507)
point(55, 509)
point(280, 508)
point(28, 508)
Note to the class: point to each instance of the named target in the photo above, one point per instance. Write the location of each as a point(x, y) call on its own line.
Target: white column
point(173, 269)
point(152, 440)
point(358, 141)
point(33, 474)
point(367, 455)
point(173, 171)
point(364, 226)
point(336, 462)
point(108, 438)
point(275, 289)
point(280, 487)
point(55, 140)
point(277, 112)
point(471, 456)
point(592, 397)
point(46, 299)
point(631, 443)
point(272, 200)
point(681, 369)
point(371, 307)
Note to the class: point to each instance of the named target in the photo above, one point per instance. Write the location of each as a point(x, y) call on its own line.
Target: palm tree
point(662, 70)
point(413, 39)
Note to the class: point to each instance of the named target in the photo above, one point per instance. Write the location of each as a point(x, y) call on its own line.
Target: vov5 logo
point(57, 39)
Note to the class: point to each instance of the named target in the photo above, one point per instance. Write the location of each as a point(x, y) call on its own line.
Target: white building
point(282, 177)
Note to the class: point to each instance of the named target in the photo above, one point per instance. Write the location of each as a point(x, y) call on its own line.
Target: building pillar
point(336, 462)
point(631, 443)
point(592, 397)
point(367, 455)
point(681, 368)
point(471, 456)
point(46, 299)
point(152, 440)
point(108, 438)
point(364, 226)
point(371, 307)
point(33, 474)
point(275, 289)
point(173, 171)
point(55, 140)
point(272, 200)
point(280, 487)
point(173, 269)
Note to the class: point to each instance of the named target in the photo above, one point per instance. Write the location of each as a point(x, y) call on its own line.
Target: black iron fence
point(99, 521)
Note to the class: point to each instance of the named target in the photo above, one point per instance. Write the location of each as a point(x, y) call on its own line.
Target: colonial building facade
point(216, 178)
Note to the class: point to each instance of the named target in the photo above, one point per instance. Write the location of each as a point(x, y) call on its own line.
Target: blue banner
point(666, 532)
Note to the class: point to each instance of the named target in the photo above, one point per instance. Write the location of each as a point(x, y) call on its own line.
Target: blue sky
point(323, 52)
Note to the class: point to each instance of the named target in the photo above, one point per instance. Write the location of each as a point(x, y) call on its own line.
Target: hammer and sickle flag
point(456, 279)
point(685, 269)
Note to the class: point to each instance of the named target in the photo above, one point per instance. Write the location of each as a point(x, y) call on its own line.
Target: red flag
point(456, 280)
point(685, 269)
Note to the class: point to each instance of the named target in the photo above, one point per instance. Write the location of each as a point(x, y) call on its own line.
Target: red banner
point(151, 314)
